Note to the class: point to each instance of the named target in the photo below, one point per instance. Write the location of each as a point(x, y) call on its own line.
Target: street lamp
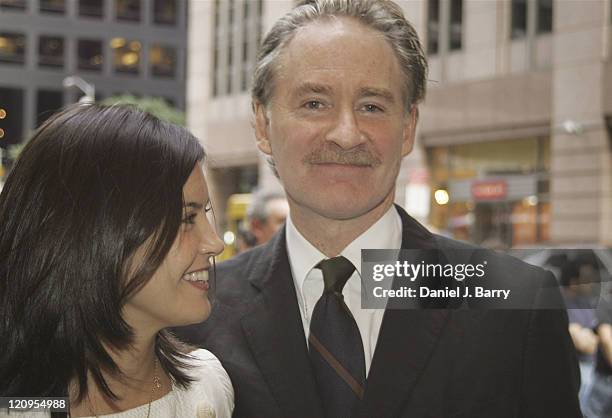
point(88, 89)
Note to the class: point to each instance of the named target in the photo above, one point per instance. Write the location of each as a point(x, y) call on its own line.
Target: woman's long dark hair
point(92, 185)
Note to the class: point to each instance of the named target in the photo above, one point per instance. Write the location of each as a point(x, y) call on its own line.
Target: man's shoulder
point(506, 267)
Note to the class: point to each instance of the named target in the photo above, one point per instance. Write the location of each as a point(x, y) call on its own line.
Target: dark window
point(12, 47)
point(215, 69)
point(91, 8)
point(11, 107)
point(53, 6)
point(47, 103)
point(545, 16)
point(519, 19)
point(89, 55)
point(126, 55)
point(163, 61)
point(259, 21)
point(164, 12)
point(456, 23)
point(128, 10)
point(433, 26)
point(12, 4)
point(230, 48)
point(51, 51)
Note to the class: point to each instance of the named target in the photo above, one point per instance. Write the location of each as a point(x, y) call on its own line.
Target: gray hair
point(384, 16)
point(258, 208)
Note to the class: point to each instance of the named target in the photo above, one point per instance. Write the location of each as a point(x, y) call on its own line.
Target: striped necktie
point(336, 349)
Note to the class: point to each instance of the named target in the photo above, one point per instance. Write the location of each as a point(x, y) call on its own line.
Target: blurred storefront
point(494, 193)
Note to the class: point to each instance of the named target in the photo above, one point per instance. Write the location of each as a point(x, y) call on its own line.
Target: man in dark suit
point(335, 97)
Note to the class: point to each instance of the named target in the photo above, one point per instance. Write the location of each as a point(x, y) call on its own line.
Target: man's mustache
point(359, 156)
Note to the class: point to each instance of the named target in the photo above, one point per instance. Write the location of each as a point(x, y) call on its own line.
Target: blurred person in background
point(266, 215)
point(599, 397)
point(105, 240)
point(577, 288)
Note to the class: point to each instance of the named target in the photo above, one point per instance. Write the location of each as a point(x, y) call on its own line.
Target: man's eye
point(372, 108)
point(313, 105)
point(189, 219)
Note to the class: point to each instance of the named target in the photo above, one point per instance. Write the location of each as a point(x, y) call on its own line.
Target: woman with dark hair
point(105, 240)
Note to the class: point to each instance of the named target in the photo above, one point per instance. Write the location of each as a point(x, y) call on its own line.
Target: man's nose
point(344, 130)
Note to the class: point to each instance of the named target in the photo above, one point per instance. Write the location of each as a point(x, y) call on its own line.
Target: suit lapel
point(406, 340)
point(274, 331)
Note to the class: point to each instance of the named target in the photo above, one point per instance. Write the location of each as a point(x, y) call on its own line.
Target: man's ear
point(261, 128)
point(410, 123)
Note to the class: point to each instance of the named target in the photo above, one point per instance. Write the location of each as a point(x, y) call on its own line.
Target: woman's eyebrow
point(193, 205)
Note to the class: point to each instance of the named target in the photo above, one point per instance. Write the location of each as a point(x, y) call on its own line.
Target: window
point(215, 66)
point(12, 5)
point(128, 10)
point(433, 26)
point(91, 8)
point(47, 103)
point(519, 19)
point(12, 47)
point(53, 6)
point(164, 12)
point(89, 55)
point(126, 55)
point(230, 49)
point(545, 16)
point(51, 51)
point(163, 61)
point(456, 22)
point(11, 125)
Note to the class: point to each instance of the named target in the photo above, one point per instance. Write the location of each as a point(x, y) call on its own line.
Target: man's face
point(336, 125)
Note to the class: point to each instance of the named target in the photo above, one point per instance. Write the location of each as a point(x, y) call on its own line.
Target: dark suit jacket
point(427, 363)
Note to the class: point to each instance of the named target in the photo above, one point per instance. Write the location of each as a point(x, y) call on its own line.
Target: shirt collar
point(386, 233)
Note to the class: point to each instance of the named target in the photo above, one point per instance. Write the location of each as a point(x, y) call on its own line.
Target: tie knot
point(336, 271)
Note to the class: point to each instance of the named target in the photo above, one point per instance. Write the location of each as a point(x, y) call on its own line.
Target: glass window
point(47, 103)
point(164, 12)
point(91, 8)
point(545, 16)
point(519, 19)
point(12, 47)
point(456, 22)
point(53, 6)
point(126, 55)
point(13, 4)
point(163, 61)
point(51, 51)
point(128, 10)
point(89, 55)
point(433, 26)
point(11, 125)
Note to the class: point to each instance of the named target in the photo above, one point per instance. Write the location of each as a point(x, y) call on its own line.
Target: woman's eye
point(189, 219)
point(208, 207)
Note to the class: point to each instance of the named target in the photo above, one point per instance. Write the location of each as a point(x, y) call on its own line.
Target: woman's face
point(177, 294)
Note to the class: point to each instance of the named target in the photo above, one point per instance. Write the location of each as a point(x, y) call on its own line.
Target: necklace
point(157, 385)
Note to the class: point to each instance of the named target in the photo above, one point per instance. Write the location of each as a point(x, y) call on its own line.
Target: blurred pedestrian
point(266, 215)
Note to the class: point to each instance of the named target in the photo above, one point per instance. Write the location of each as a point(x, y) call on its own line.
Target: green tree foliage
point(154, 105)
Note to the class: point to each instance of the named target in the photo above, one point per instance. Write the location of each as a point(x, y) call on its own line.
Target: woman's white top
point(210, 395)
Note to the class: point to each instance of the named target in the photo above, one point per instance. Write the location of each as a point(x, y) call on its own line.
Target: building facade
point(513, 144)
point(116, 46)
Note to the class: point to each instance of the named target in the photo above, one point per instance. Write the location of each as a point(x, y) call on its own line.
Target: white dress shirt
point(386, 233)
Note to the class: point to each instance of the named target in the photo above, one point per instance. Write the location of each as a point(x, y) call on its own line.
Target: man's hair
point(258, 209)
point(93, 185)
point(384, 16)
